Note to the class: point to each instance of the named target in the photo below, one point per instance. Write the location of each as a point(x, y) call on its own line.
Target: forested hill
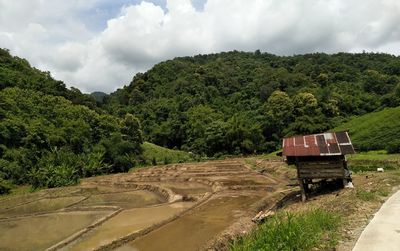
point(237, 102)
point(17, 72)
point(48, 138)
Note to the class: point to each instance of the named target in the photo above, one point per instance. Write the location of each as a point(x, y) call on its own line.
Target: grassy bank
point(375, 130)
point(293, 231)
point(371, 160)
point(157, 155)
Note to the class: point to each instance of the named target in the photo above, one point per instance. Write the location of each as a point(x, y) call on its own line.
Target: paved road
point(383, 232)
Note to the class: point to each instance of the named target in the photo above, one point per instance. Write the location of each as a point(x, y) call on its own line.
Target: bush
point(120, 153)
point(94, 164)
point(393, 147)
point(5, 187)
point(56, 168)
point(54, 176)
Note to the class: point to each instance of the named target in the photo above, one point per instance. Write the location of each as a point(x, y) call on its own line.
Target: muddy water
point(194, 229)
point(188, 188)
point(41, 232)
point(15, 200)
point(41, 206)
point(130, 199)
point(127, 222)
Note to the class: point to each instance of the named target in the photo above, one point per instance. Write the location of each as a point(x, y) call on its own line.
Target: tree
point(305, 103)
point(279, 107)
point(131, 129)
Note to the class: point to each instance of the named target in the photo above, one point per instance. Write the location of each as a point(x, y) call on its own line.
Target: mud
point(173, 207)
point(195, 228)
point(8, 203)
point(125, 223)
point(41, 232)
point(41, 206)
point(124, 200)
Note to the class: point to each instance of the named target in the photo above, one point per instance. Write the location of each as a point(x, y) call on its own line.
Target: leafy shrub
point(5, 186)
point(393, 146)
point(54, 176)
point(94, 164)
point(56, 168)
point(119, 153)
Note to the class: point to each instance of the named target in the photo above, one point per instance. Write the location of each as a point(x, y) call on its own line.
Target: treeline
point(237, 102)
point(17, 72)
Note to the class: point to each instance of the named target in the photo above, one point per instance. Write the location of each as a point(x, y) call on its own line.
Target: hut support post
point(303, 191)
point(301, 182)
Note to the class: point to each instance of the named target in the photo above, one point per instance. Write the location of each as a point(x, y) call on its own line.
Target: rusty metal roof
point(323, 144)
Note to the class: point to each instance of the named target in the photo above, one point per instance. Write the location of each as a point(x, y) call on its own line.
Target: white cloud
point(54, 36)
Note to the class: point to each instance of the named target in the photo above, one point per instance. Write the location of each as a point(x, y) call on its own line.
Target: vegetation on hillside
point(376, 130)
point(237, 102)
point(217, 104)
point(156, 155)
point(47, 141)
point(51, 135)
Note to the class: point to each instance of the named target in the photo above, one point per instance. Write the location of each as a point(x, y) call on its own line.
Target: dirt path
point(174, 207)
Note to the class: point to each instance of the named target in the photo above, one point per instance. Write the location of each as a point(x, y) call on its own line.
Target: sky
point(99, 45)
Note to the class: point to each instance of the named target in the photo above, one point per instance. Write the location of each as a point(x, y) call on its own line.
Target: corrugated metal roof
point(323, 144)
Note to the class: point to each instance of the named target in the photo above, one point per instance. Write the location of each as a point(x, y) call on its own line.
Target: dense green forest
point(376, 130)
point(48, 139)
point(238, 102)
point(217, 104)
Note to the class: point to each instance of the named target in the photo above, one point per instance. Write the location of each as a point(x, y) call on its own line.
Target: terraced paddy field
point(174, 207)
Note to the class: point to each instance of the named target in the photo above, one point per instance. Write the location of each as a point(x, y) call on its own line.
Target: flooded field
point(174, 207)
point(127, 222)
point(41, 232)
point(41, 206)
point(126, 200)
point(194, 228)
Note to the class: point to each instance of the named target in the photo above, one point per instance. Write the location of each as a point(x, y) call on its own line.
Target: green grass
point(302, 231)
point(374, 155)
point(365, 195)
point(376, 130)
point(273, 154)
point(370, 195)
point(157, 155)
point(371, 160)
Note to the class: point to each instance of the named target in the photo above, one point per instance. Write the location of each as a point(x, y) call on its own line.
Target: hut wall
point(320, 167)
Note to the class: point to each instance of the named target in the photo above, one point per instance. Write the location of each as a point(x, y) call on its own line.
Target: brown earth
point(173, 207)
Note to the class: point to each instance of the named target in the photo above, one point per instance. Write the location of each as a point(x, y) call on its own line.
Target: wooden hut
point(318, 157)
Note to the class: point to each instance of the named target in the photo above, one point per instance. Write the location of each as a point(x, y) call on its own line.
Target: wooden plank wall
point(320, 169)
